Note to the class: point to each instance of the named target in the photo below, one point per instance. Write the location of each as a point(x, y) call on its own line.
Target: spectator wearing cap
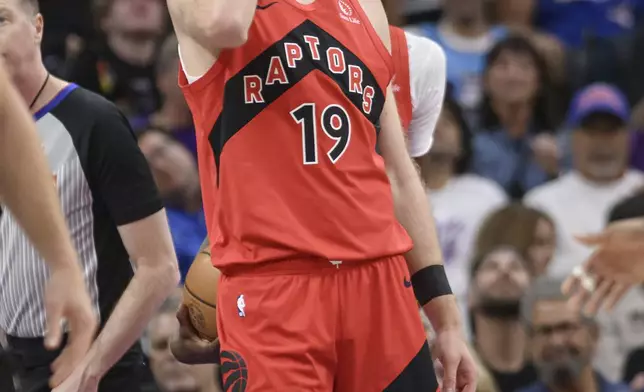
point(579, 201)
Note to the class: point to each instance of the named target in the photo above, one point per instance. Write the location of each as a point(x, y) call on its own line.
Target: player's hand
point(459, 373)
point(619, 253)
point(66, 298)
point(590, 292)
point(188, 347)
point(616, 264)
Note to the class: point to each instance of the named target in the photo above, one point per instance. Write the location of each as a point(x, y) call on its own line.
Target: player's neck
point(501, 343)
point(514, 117)
point(137, 52)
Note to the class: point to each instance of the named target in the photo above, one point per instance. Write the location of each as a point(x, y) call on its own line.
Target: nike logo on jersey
point(263, 7)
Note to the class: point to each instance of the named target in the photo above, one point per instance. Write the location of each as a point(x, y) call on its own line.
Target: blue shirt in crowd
point(572, 20)
point(508, 161)
point(603, 384)
point(466, 65)
point(188, 233)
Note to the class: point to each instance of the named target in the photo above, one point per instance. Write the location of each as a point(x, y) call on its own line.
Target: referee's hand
point(66, 299)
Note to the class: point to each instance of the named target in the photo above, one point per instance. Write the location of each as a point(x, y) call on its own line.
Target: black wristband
point(429, 283)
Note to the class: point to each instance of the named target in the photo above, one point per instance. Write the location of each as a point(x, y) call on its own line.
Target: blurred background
point(539, 139)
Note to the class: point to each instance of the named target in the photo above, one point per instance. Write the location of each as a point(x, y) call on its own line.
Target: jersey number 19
point(335, 123)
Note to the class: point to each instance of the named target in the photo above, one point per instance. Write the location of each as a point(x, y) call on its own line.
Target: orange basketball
point(200, 296)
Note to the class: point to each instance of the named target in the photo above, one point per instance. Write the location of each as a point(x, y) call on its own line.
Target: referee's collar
point(62, 94)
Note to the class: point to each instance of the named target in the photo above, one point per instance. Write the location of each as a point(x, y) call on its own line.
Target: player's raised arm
point(203, 27)
point(27, 189)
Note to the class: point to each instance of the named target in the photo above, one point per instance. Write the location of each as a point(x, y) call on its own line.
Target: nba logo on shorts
point(240, 306)
point(346, 12)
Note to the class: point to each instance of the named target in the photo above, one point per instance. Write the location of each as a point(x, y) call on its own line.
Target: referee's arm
point(120, 174)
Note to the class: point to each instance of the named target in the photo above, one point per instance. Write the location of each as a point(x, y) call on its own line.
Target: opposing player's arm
point(204, 27)
point(120, 173)
point(429, 77)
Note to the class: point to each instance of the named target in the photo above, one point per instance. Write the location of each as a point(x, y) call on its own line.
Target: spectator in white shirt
point(579, 201)
point(460, 200)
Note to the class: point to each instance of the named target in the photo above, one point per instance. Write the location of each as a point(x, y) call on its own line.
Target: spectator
point(170, 374)
point(562, 342)
point(175, 173)
point(460, 200)
point(174, 115)
point(499, 280)
point(571, 21)
point(579, 201)
point(623, 328)
point(529, 231)
point(466, 36)
point(120, 66)
point(515, 148)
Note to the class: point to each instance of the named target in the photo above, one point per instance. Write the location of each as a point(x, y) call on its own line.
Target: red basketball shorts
point(312, 326)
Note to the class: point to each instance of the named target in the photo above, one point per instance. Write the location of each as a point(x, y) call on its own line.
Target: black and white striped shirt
point(103, 182)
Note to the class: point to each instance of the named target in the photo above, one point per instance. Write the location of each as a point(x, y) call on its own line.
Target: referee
point(114, 214)
point(22, 168)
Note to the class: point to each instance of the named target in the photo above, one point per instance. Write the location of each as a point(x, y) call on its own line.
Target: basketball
point(200, 296)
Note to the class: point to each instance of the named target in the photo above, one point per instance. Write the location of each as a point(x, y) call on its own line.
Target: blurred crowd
point(538, 141)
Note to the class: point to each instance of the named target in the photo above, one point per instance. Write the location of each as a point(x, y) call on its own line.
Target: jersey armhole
point(375, 38)
point(196, 83)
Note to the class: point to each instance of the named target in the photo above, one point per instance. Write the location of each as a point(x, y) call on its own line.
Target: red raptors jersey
point(287, 139)
point(401, 82)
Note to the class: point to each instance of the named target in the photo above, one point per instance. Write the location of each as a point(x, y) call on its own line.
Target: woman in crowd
point(515, 146)
point(529, 231)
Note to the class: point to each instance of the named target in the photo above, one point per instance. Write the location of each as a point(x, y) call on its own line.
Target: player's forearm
point(27, 186)
point(143, 296)
point(414, 212)
point(214, 24)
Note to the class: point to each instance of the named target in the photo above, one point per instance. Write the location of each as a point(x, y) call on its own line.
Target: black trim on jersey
point(122, 186)
point(236, 114)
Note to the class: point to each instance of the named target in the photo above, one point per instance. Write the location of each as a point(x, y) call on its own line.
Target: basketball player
point(315, 293)
point(116, 219)
point(26, 189)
